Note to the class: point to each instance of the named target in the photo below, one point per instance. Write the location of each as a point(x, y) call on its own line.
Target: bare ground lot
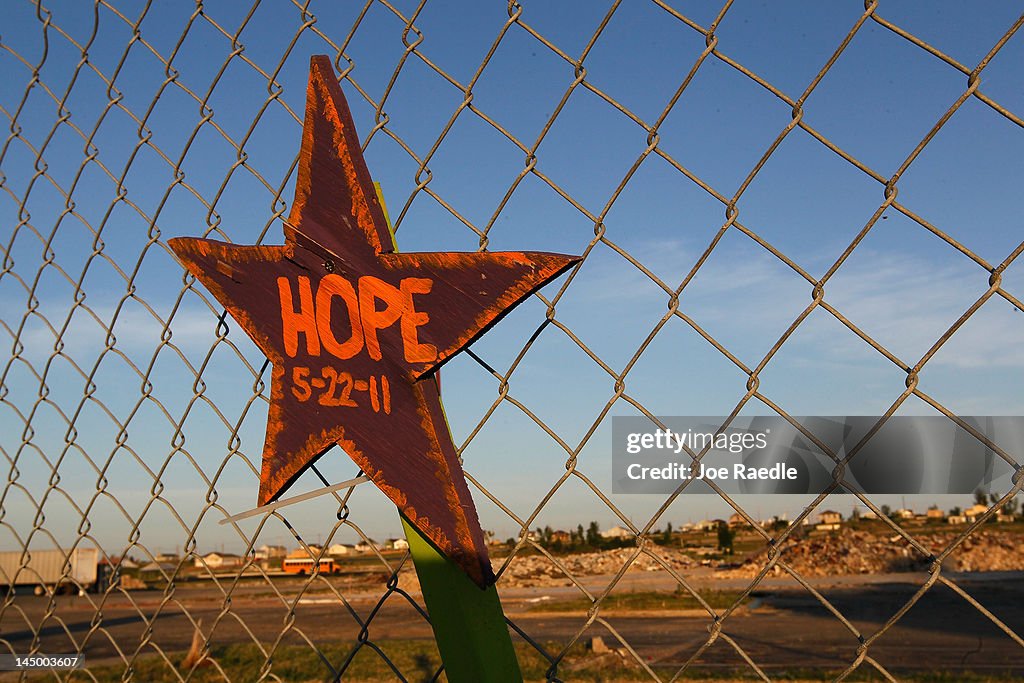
point(784, 628)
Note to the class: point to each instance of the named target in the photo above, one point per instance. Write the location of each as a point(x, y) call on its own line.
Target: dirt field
point(783, 628)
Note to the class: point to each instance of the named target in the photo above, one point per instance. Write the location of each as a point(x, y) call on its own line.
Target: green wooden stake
point(469, 625)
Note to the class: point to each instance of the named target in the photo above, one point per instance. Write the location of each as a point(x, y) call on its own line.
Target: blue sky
point(902, 285)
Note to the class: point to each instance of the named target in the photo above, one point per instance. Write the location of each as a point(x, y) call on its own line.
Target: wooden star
point(356, 331)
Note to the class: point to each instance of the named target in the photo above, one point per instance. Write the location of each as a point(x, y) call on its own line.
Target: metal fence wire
point(79, 399)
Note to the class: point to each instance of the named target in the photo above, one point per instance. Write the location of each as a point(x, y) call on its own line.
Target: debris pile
point(857, 552)
point(538, 570)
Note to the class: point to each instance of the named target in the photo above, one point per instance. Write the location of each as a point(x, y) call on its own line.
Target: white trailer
point(47, 570)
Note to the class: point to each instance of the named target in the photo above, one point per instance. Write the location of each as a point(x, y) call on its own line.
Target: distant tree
point(886, 511)
point(955, 511)
point(855, 515)
point(725, 537)
point(778, 524)
point(980, 498)
point(1011, 506)
point(580, 536)
point(666, 538)
point(593, 535)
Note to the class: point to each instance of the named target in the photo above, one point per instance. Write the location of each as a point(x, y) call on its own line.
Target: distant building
point(399, 544)
point(167, 558)
point(560, 536)
point(269, 552)
point(736, 519)
point(956, 519)
point(617, 532)
point(935, 513)
point(972, 513)
point(365, 546)
point(830, 517)
point(340, 549)
point(158, 568)
point(829, 520)
point(220, 561)
point(905, 513)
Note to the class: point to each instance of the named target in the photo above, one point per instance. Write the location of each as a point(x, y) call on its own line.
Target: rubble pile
point(987, 552)
point(858, 552)
point(538, 570)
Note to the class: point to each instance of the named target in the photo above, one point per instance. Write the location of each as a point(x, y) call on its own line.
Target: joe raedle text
point(777, 472)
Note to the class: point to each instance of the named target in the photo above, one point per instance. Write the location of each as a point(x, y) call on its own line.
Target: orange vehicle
point(304, 565)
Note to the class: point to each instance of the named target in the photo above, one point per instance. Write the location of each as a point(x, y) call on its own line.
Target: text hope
point(312, 315)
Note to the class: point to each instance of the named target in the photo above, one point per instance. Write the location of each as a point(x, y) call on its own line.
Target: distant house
point(158, 569)
point(935, 513)
point(365, 546)
point(972, 513)
point(956, 519)
point(709, 524)
point(269, 552)
point(830, 517)
point(617, 532)
point(220, 560)
point(829, 520)
point(736, 519)
point(167, 558)
point(560, 536)
point(398, 544)
point(340, 549)
point(905, 513)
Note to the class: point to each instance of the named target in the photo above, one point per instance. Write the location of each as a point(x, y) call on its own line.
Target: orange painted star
point(356, 331)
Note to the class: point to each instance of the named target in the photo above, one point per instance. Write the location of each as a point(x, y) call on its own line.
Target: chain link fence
point(122, 409)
